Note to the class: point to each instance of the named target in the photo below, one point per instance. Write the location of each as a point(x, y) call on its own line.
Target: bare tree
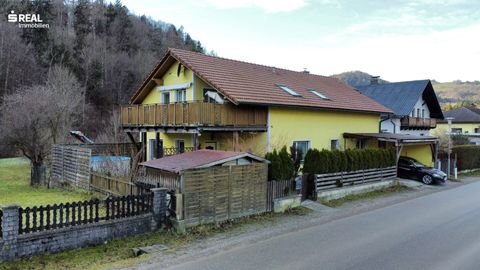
point(36, 117)
point(66, 103)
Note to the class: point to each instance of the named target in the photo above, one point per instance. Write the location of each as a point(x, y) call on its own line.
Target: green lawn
point(15, 187)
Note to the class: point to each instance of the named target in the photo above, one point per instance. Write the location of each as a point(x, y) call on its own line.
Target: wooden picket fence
point(342, 179)
point(50, 217)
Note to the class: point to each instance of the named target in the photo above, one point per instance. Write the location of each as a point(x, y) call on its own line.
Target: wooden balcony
point(418, 123)
point(208, 116)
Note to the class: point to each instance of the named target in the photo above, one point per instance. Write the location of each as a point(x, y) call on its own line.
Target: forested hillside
point(106, 48)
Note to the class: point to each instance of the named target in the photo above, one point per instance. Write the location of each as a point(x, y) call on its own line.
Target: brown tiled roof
point(195, 159)
point(247, 83)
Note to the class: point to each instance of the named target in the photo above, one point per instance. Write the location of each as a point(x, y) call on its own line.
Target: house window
point(181, 95)
point(413, 113)
point(318, 94)
point(334, 144)
point(362, 143)
point(301, 148)
point(166, 98)
point(456, 130)
point(289, 90)
point(423, 113)
point(212, 96)
point(152, 149)
point(180, 146)
point(477, 130)
point(418, 112)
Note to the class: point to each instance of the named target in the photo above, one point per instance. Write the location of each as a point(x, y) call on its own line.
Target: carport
point(401, 142)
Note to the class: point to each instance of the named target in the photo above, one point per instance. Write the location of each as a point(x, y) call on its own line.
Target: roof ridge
point(249, 63)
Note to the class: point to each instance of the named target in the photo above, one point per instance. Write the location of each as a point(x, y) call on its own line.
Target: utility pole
point(449, 119)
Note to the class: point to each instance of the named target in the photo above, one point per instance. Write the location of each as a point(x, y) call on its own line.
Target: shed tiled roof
point(247, 83)
point(464, 115)
point(196, 159)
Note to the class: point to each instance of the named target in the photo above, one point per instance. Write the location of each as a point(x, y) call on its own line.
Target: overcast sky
point(401, 40)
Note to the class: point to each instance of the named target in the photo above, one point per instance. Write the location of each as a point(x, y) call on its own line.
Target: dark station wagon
point(410, 168)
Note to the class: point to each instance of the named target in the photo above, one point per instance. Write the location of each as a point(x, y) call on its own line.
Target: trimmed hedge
point(281, 165)
point(468, 156)
point(325, 161)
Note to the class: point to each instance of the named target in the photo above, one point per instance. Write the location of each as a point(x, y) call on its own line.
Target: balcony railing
point(193, 114)
point(418, 123)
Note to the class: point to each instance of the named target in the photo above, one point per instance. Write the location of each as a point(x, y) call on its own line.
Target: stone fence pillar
point(10, 229)
point(159, 206)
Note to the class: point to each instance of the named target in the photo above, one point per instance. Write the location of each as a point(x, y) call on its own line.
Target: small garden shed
point(210, 186)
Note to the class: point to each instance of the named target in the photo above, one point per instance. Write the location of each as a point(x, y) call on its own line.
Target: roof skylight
point(289, 90)
point(318, 94)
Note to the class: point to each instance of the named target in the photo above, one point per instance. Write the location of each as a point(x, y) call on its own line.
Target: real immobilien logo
point(28, 20)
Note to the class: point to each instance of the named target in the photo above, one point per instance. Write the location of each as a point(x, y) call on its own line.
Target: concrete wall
point(14, 245)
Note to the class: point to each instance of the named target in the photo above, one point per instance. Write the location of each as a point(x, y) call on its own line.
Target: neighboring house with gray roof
point(466, 121)
point(414, 104)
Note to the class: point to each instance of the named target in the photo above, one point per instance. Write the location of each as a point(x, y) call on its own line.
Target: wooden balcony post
point(235, 141)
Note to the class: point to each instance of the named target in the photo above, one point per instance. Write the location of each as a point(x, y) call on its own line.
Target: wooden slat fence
point(341, 179)
point(119, 186)
point(221, 193)
point(72, 164)
point(109, 149)
point(50, 217)
point(279, 189)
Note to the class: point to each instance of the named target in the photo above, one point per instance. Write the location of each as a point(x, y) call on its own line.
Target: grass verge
point(473, 173)
point(118, 253)
point(365, 196)
point(15, 187)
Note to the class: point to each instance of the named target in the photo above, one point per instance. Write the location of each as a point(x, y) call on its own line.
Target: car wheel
point(427, 179)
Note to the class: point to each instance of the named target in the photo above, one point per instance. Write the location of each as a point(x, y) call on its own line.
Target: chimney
point(374, 80)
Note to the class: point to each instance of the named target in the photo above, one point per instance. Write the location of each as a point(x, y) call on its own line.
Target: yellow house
point(465, 121)
point(195, 101)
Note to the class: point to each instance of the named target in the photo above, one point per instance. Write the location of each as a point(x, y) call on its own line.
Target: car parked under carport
point(410, 168)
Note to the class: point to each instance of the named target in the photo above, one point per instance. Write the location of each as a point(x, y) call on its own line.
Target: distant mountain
point(448, 92)
point(356, 78)
point(458, 91)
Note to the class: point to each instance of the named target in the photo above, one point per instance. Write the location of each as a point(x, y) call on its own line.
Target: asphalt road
point(437, 231)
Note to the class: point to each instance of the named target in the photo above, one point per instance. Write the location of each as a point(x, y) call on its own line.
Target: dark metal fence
point(50, 217)
point(279, 189)
point(172, 204)
point(1, 222)
point(120, 207)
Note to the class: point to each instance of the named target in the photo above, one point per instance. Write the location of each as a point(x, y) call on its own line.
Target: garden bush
point(281, 165)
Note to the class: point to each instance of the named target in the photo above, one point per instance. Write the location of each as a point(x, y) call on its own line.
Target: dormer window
point(318, 94)
point(289, 90)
